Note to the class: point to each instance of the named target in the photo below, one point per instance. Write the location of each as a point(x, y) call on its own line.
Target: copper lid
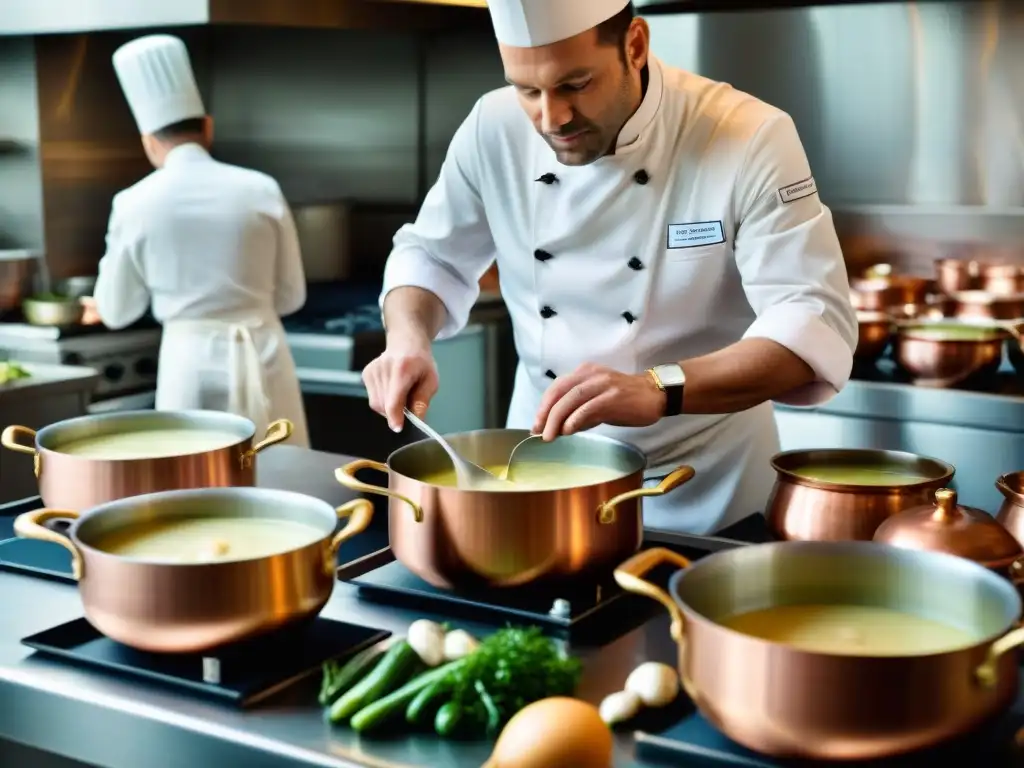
point(953, 529)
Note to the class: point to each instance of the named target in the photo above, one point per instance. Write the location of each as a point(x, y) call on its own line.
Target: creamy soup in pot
point(535, 476)
point(149, 443)
point(854, 630)
point(208, 539)
point(859, 474)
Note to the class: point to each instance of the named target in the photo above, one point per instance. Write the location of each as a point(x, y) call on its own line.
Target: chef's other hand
point(594, 395)
point(405, 376)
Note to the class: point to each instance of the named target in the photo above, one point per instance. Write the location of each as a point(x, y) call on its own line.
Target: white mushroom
point(619, 707)
point(458, 644)
point(656, 684)
point(427, 639)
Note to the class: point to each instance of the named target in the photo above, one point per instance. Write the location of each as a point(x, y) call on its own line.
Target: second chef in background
point(648, 223)
point(212, 246)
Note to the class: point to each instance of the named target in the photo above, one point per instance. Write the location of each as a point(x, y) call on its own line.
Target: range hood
point(40, 17)
point(666, 7)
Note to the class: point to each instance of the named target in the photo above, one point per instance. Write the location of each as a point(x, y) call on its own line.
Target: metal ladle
point(467, 474)
point(506, 473)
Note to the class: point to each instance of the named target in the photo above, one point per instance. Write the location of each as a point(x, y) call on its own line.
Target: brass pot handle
point(277, 432)
point(9, 440)
point(630, 574)
point(347, 476)
point(606, 512)
point(360, 514)
point(987, 672)
point(31, 526)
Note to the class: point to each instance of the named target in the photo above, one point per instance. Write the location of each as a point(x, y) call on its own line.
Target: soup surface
point(859, 474)
point(954, 332)
point(208, 539)
point(855, 630)
point(535, 476)
point(150, 443)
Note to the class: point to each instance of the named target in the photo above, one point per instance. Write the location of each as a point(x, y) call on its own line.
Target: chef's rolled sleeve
point(121, 293)
point(449, 247)
point(791, 262)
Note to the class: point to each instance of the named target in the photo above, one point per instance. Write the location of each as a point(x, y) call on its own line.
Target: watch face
point(671, 375)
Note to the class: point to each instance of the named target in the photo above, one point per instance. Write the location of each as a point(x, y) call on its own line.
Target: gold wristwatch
point(671, 380)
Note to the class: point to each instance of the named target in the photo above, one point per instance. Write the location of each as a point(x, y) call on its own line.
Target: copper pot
point(1011, 513)
point(983, 305)
point(945, 526)
point(944, 354)
point(878, 294)
point(74, 482)
point(804, 509)
point(873, 332)
point(463, 539)
point(167, 607)
point(790, 703)
point(1002, 279)
point(954, 275)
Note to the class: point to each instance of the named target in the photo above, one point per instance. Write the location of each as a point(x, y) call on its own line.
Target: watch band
point(673, 394)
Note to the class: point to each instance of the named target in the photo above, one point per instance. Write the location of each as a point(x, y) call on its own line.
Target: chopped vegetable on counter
point(656, 684)
point(554, 732)
point(427, 639)
point(458, 644)
point(11, 371)
point(399, 663)
point(339, 678)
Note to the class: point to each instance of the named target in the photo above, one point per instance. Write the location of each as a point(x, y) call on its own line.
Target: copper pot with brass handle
point(69, 481)
point(788, 702)
point(462, 539)
point(164, 606)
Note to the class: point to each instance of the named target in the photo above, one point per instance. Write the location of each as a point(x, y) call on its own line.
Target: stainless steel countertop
point(110, 721)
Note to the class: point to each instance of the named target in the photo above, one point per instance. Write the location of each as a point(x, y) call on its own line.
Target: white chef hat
point(533, 23)
point(157, 79)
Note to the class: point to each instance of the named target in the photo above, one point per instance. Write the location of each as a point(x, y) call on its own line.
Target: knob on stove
point(73, 358)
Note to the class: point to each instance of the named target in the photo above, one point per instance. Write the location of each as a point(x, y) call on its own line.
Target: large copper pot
point(803, 509)
point(169, 607)
point(75, 482)
point(465, 539)
point(941, 355)
point(791, 703)
point(1011, 512)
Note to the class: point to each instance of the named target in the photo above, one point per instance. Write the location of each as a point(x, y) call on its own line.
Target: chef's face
point(580, 92)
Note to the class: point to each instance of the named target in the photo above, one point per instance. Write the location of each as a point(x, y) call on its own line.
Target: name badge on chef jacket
point(695, 234)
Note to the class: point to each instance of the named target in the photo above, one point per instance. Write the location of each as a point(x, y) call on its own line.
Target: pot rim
point(790, 476)
point(1005, 487)
point(992, 578)
point(931, 330)
point(270, 495)
point(246, 430)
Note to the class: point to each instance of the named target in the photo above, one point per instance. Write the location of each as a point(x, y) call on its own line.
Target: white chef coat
point(703, 228)
point(214, 248)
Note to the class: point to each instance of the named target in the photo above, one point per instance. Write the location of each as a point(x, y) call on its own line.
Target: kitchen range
point(259, 619)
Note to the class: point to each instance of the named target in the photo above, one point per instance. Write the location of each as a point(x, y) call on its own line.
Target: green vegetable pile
point(11, 371)
point(472, 697)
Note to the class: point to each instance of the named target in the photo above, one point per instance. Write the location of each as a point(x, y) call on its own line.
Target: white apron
point(241, 366)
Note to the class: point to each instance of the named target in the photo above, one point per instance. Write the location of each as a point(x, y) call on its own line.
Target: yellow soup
point(208, 539)
point(854, 474)
point(854, 630)
point(149, 444)
point(535, 476)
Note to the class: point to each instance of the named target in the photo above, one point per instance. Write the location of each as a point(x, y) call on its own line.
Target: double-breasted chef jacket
point(704, 227)
point(214, 248)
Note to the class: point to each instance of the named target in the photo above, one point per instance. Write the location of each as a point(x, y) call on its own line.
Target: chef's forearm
point(413, 314)
point(741, 376)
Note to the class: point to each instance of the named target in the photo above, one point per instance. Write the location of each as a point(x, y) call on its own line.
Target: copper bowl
point(878, 294)
point(170, 607)
point(464, 539)
point(947, 353)
point(804, 509)
point(1011, 513)
point(787, 702)
point(955, 275)
point(1002, 279)
point(67, 481)
point(984, 305)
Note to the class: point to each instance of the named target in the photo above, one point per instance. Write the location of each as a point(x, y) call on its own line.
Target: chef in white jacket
point(211, 246)
point(668, 265)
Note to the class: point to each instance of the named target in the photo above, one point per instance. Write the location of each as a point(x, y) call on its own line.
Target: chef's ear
point(638, 40)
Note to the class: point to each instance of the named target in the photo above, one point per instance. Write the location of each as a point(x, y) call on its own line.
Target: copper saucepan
point(803, 508)
point(458, 539)
point(67, 481)
point(168, 607)
point(947, 353)
point(1011, 512)
point(791, 703)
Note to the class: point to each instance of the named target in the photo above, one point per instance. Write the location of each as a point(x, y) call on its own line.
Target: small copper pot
point(804, 509)
point(937, 354)
point(954, 275)
point(945, 526)
point(878, 294)
point(470, 539)
point(1002, 279)
point(790, 703)
point(1011, 513)
point(165, 607)
point(983, 305)
point(874, 330)
point(74, 482)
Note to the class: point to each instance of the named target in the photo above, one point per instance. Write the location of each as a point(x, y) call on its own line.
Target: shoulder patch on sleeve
point(798, 191)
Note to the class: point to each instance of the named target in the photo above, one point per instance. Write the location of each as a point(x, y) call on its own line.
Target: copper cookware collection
point(460, 539)
point(789, 703)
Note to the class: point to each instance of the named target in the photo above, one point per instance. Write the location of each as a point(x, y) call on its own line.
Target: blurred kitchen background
point(912, 115)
